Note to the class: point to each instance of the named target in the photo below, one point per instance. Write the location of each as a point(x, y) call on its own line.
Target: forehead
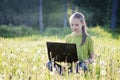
point(75, 20)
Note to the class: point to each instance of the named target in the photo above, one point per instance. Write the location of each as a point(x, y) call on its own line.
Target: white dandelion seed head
point(3, 54)
point(4, 63)
point(1, 44)
point(113, 49)
point(39, 51)
point(17, 49)
point(34, 59)
point(22, 60)
point(19, 72)
point(52, 73)
point(118, 70)
point(54, 69)
point(20, 65)
point(43, 57)
point(26, 50)
point(103, 72)
point(11, 67)
point(12, 55)
point(1, 77)
point(15, 45)
point(35, 55)
point(44, 67)
point(98, 54)
point(103, 67)
point(34, 68)
point(94, 63)
point(102, 63)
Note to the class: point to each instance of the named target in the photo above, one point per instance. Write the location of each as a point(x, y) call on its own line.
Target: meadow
point(24, 58)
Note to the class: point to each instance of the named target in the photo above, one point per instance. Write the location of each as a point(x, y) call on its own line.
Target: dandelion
point(102, 63)
point(43, 67)
point(3, 53)
point(1, 44)
point(94, 64)
point(39, 51)
point(26, 50)
point(43, 57)
point(19, 72)
point(54, 69)
point(1, 77)
point(4, 63)
point(12, 55)
point(52, 73)
point(118, 70)
point(103, 72)
point(98, 55)
point(11, 67)
point(35, 57)
point(20, 65)
point(34, 68)
point(17, 50)
point(23, 59)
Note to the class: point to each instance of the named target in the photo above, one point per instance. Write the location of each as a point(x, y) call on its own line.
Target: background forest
point(41, 14)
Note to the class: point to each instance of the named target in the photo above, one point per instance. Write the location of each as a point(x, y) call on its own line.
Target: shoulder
point(68, 37)
point(89, 38)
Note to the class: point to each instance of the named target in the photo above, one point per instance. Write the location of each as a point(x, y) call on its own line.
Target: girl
point(79, 36)
point(83, 41)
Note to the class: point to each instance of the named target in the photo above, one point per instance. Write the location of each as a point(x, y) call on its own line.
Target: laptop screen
point(62, 52)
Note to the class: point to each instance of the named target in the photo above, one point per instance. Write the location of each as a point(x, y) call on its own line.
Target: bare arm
point(91, 57)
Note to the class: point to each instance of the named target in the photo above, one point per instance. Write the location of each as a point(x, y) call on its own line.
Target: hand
point(86, 62)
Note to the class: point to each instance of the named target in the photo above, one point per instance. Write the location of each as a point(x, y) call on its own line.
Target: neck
point(78, 33)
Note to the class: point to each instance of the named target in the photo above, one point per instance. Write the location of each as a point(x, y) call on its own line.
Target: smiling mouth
point(75, 30)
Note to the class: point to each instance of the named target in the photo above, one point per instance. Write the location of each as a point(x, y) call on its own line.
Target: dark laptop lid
point(62, 52)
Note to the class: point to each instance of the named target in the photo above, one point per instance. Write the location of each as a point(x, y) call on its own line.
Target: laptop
point(62, 52)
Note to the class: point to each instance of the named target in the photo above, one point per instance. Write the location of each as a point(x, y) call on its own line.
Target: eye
point(76, 24)
point(71, 24)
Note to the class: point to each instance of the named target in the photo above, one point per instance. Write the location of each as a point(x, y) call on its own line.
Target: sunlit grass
point(25, 59)
point(99, 32)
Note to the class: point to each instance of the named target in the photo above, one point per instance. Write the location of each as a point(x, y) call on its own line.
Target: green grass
point(24, 58)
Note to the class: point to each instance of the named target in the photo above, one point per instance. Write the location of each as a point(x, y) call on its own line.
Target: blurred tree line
point(55, 13)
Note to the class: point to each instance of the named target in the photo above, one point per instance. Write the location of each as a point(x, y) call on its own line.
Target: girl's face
point(76, 25)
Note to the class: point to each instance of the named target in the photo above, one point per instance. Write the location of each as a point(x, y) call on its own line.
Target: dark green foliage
point(53, 13)
point(17, 31)
point(26, 12)
point(19, 12)
point(97, 12)
point(118, 15)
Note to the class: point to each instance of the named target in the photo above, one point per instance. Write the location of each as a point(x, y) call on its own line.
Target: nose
point(74, 27)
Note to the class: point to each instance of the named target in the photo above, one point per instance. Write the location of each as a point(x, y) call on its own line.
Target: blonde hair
point(81, 17)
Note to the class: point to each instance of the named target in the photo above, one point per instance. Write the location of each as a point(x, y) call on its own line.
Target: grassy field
point(25, 58)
